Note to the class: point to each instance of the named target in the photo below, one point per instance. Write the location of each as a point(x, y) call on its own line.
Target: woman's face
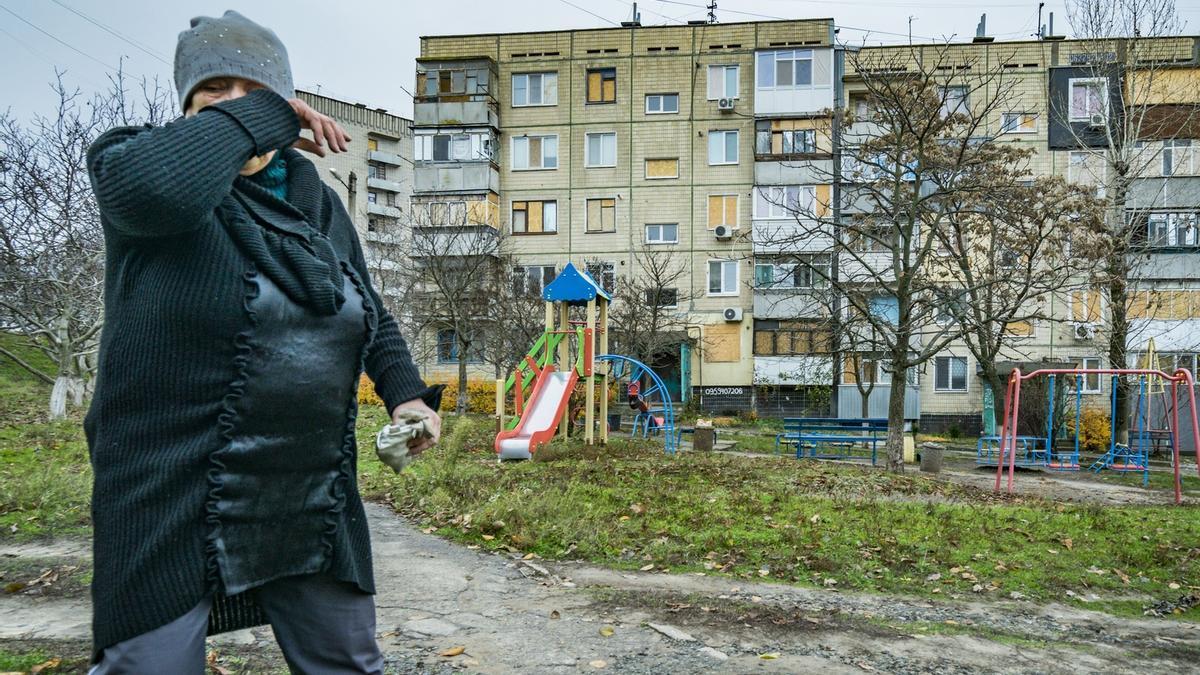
point(217, 89)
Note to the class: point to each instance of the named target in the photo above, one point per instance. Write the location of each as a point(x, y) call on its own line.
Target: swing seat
point(1062, 466)
point(1127, 467)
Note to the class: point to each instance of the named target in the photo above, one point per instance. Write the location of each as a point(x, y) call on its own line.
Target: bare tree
point(924, 165)
point(1120, 118)
point(645, 318)
point(514, 319)
point(51, 242)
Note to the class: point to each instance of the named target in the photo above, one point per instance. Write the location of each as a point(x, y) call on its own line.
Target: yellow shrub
point(1096, 429)
point(366, 392)
point(481, 396)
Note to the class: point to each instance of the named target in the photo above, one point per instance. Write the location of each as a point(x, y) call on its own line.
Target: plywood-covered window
point(787, 338)
point(1018, 123)
point(602, 215)
point(602, 85)
point(662, 168)
point(784, 137)
point(535, 217)
point(1085, 305)
point(722, 210)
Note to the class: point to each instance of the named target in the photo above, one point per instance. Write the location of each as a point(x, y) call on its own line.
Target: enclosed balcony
point(456, 92)
point(468, 177)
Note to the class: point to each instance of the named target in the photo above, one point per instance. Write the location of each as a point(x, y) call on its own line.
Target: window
point(448, 346)
point(534, 152)
point(780, 137)
point(1086, 305)
point(373, 225)
point(532, 279)
point(533, 89)
point(1087, 168)
point(866, 237)
point(722, 210)
point(603, 273)
point(785, 69)
point(376, 170)
point(662, 297)
point(722, 277)
point(601, 215)
point(662, 168)
point(452, 147)
point(950, 373)
point(805, 271)
point(954, 100)
point(1091, 381)
point(1177, 157)
point(1172, 229)
point(662, 233)
point(786, 338)
point(1018, 123)
point(662, 104)
point(600, 150)
point(1088, 96)
point(857, 368)
point(602, 85)
point(372, 144)
point(784, 201)
point(722, 82)
point(534, 217)
point(446, 213)
point(723, 147)
point(372, 197)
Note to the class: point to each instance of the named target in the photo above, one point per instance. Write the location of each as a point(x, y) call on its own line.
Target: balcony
point(429, 177)
point(472, 113)
point(384, 210)
point(387, 158)
point(779, 235)
point(383, 184)
point(791, 303)
point(455, 240)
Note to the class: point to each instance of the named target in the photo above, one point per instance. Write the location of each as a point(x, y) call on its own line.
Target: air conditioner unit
point(1097, 120)
point(723, 232)
point(725, 104)
point(1085, 331)
point(732, 313)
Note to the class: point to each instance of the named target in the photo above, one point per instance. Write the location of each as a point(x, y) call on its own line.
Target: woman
point(239, 316)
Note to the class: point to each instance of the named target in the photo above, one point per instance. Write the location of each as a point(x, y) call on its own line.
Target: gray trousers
point(322, 626)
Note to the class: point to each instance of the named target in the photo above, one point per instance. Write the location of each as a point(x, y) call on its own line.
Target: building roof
point(573, 287)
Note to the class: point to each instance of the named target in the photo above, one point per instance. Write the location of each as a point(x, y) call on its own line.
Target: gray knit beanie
point(231, 46)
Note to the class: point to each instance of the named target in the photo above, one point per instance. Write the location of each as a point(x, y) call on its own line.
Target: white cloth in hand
point(391, 443)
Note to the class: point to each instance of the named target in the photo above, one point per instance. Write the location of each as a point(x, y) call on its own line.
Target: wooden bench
point(833, 437)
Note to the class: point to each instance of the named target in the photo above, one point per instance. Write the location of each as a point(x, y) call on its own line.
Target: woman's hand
point(325, 131)
point(419, 445)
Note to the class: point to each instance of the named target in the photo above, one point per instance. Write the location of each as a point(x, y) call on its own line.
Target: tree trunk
point(895, 435)
point(865, 398)
point(460, 405)
point(1118, 292)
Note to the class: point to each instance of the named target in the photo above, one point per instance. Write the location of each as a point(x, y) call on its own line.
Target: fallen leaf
point(487, 537)
point(769, 656)
point(646, 568)
point(554, 614)
point(598, 664)
point(607, 631)
point(1068, 543)
point(14, 587)
point(453, 651)
point(934, 577)
point(637, 509)
point(815, 519)
point(50, 664)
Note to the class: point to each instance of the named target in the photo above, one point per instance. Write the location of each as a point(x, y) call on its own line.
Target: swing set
point(1131, 457)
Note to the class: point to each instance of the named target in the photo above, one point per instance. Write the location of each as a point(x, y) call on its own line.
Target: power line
point(583, 9)
point(52, 37)
point(114, 32)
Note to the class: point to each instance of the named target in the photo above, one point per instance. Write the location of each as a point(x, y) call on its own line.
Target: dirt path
point(534, 617)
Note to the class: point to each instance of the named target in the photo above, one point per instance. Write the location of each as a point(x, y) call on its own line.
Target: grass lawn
point(811, 523)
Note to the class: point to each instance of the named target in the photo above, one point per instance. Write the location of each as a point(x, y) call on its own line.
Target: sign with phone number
point(723, 391)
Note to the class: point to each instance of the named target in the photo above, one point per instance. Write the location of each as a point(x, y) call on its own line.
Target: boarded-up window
point(662, 168)
point(601, 215)
point(602, 85)
point(786, 338)
point(1019, 328)
point(722, 210)
point(1085, 306)
point(372, 144)
point(722, 343)
point(534, 217)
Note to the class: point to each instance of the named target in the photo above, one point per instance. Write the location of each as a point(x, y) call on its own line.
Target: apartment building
point(374, 177)
point(593, 146)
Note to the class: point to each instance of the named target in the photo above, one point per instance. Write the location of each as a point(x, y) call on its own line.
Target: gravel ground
point(516, 616)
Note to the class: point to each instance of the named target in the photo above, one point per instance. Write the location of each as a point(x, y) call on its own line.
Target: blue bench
point(1031, 451)
point(833, 437)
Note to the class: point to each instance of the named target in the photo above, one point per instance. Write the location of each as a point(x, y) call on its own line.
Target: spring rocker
point(1131, 457)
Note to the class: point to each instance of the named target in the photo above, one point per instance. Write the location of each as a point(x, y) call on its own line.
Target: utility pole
point(910, 20)
point(712, 11)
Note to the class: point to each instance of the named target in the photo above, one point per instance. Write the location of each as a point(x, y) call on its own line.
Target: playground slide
point(550, 394)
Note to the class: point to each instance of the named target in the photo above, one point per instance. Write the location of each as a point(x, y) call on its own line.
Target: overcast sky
point(363, 50)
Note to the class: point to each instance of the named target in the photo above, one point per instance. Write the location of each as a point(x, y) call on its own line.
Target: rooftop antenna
point(1041, 34)
point(712, 11)
point(910, 20)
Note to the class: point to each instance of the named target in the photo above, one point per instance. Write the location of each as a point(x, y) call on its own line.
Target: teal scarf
point(273, 177)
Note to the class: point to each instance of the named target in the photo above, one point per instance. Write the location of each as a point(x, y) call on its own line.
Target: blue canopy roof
point(574, 287)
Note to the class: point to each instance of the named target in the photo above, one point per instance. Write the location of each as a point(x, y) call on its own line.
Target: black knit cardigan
point(170, 356)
